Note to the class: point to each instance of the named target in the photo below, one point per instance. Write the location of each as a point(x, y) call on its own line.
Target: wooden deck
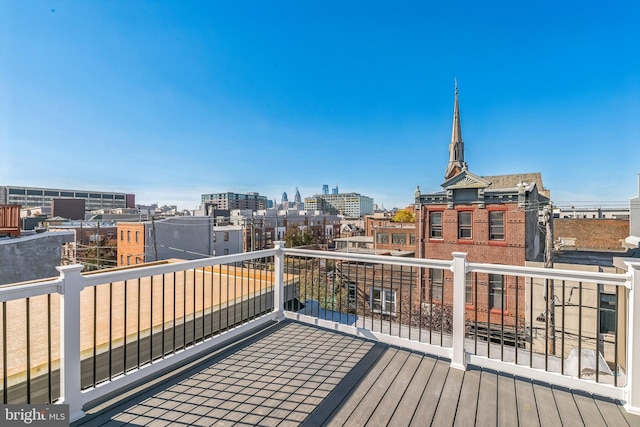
point(296, 374)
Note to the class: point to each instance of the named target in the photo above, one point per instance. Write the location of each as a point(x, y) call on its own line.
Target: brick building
point(494, 219)
point(390, 235)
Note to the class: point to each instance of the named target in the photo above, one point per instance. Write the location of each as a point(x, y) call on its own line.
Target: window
point(128, 235)
point(399, 238)
point(496, 225)
point(383, 301)
point(608, 306)
point(468, 289)
point(226, 251)
point(122, 235)
point(464, 225)
point(137, 236)
point(382, 238)
point(435, 225)
point(496, 291)
point(437, 282)
point(352, 294)
point(412, 239)
point(226, 236)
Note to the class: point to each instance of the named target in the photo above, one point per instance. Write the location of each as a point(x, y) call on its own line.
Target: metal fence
point(78, 338)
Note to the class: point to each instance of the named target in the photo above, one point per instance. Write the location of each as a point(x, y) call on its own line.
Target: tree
point(295, 237)
point(404, 215)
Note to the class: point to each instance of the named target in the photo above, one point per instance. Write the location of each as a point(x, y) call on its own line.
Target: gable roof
point(465, 179)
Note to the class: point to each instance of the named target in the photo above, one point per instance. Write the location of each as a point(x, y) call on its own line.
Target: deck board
point(449, 398)
point(487, 415)
point(428, 403)
point(395, 391)
point(468, 403)
point(526, 401)
point(546, 404)
point(507, 406)
point(569, 413)
point(415, 389)
point(588, 410)
point(352, 402)
point(611, 412)
point(366, 410)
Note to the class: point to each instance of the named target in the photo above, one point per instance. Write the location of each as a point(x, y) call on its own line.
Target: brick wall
point(592, 233)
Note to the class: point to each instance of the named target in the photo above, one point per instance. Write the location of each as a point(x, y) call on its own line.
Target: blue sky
point(169, 100)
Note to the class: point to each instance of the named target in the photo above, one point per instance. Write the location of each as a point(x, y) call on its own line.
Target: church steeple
point(456, 146)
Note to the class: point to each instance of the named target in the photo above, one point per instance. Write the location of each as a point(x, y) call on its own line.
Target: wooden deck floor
point(297, 374)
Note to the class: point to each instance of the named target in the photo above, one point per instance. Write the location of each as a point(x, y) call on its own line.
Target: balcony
point(292, 336)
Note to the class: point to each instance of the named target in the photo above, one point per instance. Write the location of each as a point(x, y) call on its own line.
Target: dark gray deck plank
point(448, 403)
point(588, 410)
point(546, 403)
point(507, 407)
point(487, 414)
point(375, 398)
point(350, 404)
point(613, 414)
point(330, 404)
point(395, 391)
point(415, 389)
point(466, 411)
point(286, 373)
point(569, 413)
point(632, 419)
point(526, 401)
point(429, 401)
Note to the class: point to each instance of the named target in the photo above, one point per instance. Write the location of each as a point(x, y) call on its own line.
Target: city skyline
point(169, 102)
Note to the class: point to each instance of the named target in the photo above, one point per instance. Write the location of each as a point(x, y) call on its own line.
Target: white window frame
point(382, 301)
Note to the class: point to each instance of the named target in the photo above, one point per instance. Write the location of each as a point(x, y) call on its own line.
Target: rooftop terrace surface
point(292, 373)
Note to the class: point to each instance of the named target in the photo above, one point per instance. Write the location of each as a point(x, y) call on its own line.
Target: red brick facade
point(507, 247)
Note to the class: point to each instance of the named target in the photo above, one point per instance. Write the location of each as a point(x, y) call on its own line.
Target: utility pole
point(548, 263)
point(97, 237)
point(155, 242)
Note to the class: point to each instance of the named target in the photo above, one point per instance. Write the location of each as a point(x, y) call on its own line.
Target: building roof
point(511, 181)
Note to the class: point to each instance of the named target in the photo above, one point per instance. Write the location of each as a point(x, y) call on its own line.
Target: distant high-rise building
point(224, 201)
point(350, 205)
point(325, 189)
point(335, 190)
point(298, 198)
point(285, 198)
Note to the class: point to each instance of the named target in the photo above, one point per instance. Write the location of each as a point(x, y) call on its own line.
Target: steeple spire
point(456, 146)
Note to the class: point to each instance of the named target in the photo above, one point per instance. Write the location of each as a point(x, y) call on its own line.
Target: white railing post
point(278, 285)
point(70, 385)
point(459, 268)
point(633, 337)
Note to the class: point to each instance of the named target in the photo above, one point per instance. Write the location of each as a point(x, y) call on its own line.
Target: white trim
point(550, 377)
point(371, 335)
point(28, 290)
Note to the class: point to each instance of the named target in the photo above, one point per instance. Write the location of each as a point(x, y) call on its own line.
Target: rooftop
point(290, 373)
point(299, 337)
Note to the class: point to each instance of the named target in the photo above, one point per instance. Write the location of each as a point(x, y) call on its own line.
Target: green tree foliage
point(295, 237)
point(404, 215)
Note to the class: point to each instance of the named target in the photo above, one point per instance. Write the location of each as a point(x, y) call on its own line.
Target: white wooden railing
point(72, 282)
